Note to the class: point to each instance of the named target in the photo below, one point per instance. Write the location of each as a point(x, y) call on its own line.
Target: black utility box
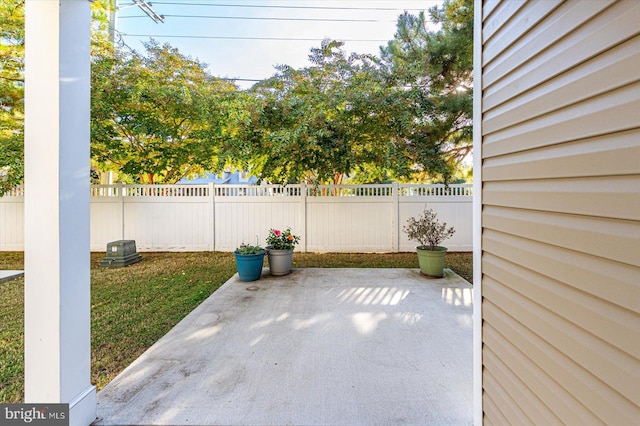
point(120, 253)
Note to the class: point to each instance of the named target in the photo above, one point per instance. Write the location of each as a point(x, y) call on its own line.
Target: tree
point(159, 117)
point(12, 84)
point(435, 70)
point(320, 123)
point(11, 94)
point(407, 115)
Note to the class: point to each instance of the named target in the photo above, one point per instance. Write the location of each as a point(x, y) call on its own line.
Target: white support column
point(57, 284)
point(477, 216)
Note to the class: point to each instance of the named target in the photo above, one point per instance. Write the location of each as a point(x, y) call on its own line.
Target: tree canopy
point(158, 116)
point(407, 115)
point(436, 69)
point(11, 93)
point(320, 123)
point(12, 83)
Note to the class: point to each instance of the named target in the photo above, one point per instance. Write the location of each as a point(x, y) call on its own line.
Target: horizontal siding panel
point(613, 197)
point(615, 282)
point(527, 17)
point(500, 16)
point(492, 414)
point(564, 20)
point(613, 69)
point(556, 398)
point(610, 28)
point(488, 7)
point(610, 155)
point(561, 212)
point(595, 396)
point(585, 355)
point(612, 324)
point(505, 402)
point(611, 112)
point(617, 240)
point(517, 389)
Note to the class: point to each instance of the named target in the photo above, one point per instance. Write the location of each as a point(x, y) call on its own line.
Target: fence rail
point(339, 218)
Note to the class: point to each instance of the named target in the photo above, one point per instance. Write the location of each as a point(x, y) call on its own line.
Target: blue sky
point(234, 57)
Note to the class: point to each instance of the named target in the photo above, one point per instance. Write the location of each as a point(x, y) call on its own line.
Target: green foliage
point(100, 25)
point(282, 240)
point(11, 94)
point(158, 117)
point(322, 122)
point(427, 230)
point(408, 115)
point(435, 68)
point(249, 249)
point(12, 83)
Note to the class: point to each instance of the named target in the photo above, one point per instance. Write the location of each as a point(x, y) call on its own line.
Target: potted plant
point(249, 261)
point(280, 245)
point(430, 233)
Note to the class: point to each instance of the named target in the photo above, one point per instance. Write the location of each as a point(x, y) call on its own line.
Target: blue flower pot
point(249, 266)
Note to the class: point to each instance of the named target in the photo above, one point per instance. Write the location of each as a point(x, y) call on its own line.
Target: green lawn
point(133, 307)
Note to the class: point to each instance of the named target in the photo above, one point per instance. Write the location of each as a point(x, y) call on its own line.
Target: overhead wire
point(264, 6)
point(293, 19)
point(264, 18)
point(246, 38)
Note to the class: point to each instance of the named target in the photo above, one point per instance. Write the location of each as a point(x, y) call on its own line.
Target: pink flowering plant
point(282, 240)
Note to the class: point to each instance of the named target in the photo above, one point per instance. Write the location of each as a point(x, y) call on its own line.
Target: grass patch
point(12, 340)
point(132, 307)
point(460, 263)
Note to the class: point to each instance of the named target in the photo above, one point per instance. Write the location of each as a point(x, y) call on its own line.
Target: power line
point(256, 18)
point(246, 38)
point(285, 7)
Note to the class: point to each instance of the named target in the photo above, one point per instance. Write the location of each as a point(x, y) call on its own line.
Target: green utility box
point(120, 254)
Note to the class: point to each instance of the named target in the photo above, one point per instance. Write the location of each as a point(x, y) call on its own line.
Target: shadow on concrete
point(318, 346)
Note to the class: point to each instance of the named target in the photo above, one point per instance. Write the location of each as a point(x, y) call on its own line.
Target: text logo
point(34, 414)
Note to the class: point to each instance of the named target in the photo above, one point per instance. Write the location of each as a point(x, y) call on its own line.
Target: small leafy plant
point(282, 240)
point(427, 230)
point(249, 249)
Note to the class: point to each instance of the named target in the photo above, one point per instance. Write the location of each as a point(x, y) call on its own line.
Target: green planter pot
point(432, 262)
point(279, 261)
point(249, 266)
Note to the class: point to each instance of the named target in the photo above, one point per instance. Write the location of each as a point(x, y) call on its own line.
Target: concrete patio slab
point(318, 346)
point(10, 275)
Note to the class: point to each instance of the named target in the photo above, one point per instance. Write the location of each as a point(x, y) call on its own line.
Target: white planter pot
point(279, 261)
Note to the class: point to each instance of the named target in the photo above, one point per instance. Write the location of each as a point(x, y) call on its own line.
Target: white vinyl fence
point(328, 218)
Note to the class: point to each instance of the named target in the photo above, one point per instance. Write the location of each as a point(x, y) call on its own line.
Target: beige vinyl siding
point(560, 212)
